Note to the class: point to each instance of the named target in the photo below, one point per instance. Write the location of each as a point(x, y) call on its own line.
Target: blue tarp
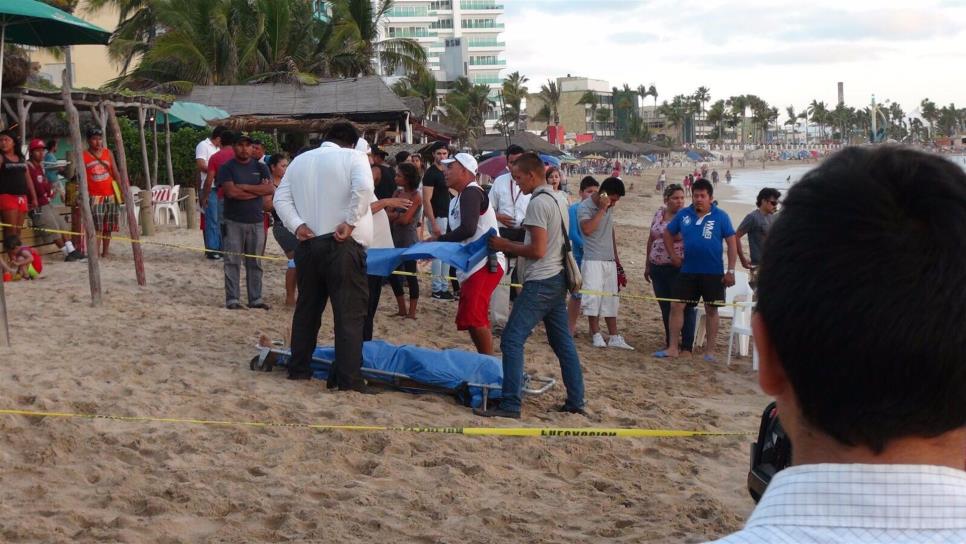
point(451, 369)
point(694, 156)
point(382, 261)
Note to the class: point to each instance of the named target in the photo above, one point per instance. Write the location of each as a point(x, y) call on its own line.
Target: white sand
point(170, 350)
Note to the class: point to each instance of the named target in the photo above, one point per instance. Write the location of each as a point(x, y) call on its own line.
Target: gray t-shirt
point(756, 225)
point(545, 211)
point(598, 245)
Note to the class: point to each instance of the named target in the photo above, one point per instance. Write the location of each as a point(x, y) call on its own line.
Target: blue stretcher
point(472, 378)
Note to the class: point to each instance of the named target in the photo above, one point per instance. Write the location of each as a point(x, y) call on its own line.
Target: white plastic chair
point(739, 292)
point(741, 327)
point(165, 200)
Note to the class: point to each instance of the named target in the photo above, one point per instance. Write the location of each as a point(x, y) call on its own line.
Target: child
point(21, 262)
point(403, 225)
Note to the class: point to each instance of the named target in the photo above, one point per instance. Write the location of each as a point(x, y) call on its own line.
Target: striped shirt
point(839, 503)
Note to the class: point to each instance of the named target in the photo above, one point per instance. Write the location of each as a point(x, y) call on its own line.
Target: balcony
point(483, 44)
point(486, 62)
point(486, 80)
point(483, 25)
point(414, 34)
point(410, 11)
point(473, 5)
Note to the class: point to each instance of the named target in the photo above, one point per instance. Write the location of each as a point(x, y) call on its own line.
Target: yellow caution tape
point(468, 431)
point(395, 272)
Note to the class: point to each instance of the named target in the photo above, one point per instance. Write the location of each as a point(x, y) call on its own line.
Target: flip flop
point(710, 358)
point(663, 354)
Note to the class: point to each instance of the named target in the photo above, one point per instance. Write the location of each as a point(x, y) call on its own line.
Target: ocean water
point(748, 182)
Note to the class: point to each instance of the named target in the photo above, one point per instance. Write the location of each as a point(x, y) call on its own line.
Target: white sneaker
point(599, 341)
point(617, 341)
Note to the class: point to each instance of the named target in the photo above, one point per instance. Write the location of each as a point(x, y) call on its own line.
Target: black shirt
point(434, 178)
point(387, 182)
point(13, 177)
point(249, 173)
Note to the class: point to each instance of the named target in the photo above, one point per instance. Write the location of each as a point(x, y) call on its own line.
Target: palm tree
point(136, 29)
point(550, 96)
point(792, 120)
point(591, 100)
point(652, 90)
point(642, 92)
point(702, 95)
point(465, 108)
point(420, 84)
point(357, 22)
point(716, 116)
point(514, 91)
point(819, 113)
point(738, 105)
point(930, 113)
point(674, 114)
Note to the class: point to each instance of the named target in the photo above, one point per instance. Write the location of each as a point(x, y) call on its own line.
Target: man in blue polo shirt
point(703, 227)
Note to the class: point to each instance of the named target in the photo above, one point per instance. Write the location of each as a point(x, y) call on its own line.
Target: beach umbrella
point(494, 166)
point(594, 157)
point(550, 160)
point(30, 22)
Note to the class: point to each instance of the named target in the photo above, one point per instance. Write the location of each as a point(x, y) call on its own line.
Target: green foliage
point(183, 142)
point(170, 45)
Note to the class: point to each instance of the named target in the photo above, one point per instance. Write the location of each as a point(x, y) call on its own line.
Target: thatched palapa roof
point(364, 99)
point(247, 123)
point(526, 140)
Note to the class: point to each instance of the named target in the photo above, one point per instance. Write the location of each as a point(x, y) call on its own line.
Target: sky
point(786, 52)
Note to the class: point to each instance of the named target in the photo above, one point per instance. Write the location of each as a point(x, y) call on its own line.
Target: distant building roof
point(362, 99)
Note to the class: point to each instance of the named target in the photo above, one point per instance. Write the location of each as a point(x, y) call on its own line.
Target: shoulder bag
point(571, 271)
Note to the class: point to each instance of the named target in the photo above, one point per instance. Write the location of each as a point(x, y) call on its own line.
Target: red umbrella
point(494, 166)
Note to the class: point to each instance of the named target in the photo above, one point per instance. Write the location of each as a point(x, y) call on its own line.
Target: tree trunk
point(154, 133)
point(73, 119)
point(125, 183)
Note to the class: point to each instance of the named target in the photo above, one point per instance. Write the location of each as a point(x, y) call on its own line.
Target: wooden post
point(125, 183)
point(23, 109)
point(191, 208)
point(3, 316)
point(147, 218)
point(144, 150)
point(73, 118)
point(154, 133)
point(167, 149)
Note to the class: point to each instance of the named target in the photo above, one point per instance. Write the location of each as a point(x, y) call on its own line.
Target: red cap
point(37, 143)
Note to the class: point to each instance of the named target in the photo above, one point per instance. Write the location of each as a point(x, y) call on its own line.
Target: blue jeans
point(662, 278)
point(540, 300)
point(440, 269)
point(213, 217)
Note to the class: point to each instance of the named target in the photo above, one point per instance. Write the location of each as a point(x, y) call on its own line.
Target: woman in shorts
point(16, 192)
point(277, 164)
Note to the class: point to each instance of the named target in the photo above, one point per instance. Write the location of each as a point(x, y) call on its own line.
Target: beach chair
point(741, 327)
point(165, 201)
point(136, 204)
point(739, 292)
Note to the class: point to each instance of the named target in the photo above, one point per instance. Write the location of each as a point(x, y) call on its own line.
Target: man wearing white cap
point(470, 217)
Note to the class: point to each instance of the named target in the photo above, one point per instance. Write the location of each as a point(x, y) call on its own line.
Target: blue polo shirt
point(703, 239)
point(576, 237)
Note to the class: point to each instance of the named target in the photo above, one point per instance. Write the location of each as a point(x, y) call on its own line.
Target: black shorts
point(694, 287)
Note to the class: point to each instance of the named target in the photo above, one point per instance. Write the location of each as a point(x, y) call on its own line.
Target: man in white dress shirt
point(324, 200)
point(861, 336)
point(510, 204)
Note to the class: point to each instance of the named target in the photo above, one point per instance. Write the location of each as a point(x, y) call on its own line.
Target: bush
point(183, 142)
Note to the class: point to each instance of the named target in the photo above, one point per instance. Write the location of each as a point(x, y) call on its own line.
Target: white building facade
point(461, 38)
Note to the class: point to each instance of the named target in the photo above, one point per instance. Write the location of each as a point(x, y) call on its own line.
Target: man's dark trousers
point(327, 269)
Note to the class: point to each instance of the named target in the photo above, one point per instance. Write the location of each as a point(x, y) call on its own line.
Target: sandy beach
point(170, 350)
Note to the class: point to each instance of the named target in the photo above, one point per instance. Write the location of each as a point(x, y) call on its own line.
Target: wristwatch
point(731, 271)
